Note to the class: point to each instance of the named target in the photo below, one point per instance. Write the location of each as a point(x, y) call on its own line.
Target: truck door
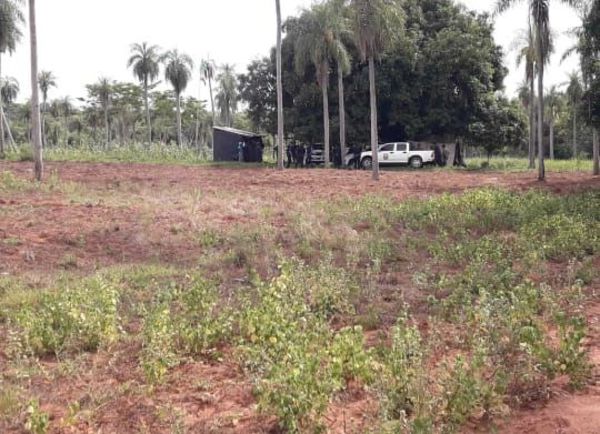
point(387, 154)
point(402, 153)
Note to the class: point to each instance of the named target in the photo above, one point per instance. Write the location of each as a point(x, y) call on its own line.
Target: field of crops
point(174, 299)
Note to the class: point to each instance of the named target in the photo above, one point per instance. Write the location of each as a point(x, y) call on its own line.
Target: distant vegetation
point(419, 94)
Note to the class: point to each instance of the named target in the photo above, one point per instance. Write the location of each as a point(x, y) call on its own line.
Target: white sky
point(82, 40)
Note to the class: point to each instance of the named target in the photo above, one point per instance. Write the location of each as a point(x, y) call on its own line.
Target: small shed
point(229, 141)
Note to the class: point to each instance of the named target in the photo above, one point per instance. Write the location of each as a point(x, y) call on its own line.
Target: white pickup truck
point(398, 153)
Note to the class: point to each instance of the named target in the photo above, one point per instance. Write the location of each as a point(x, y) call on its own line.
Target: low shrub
point(70, 319)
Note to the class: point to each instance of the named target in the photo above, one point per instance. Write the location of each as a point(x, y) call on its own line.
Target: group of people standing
point(298, 156)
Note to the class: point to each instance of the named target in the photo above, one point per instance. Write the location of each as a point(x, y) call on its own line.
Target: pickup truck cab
point(397, 154)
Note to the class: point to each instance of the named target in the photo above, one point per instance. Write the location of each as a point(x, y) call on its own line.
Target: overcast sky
point(81, 40)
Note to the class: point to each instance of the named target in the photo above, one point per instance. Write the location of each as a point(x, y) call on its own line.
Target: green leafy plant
point(81, 318)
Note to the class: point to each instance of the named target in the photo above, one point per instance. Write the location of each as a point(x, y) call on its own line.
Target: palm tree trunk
point(1, 118)
point(575, 153)
point(35, 96)
point(106, 127)
point(326, 133)
point(596, 151)
point(541, 168)
point(279, 91)
point(531, 123)
point(374, 135)
point(43, 117)
point(212, 99)
point(197, 132)
point(342, 110)
point(148, 120)
point(552, 137)
point(179, 133)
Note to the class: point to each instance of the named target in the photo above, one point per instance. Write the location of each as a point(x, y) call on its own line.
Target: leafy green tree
point(178, 72)
point(376, 24)
point(257, 86)
point(145, 61)
point(501, 124)
point(540, 16)
point(11, 19)
point(431, 86)
point(227, 96)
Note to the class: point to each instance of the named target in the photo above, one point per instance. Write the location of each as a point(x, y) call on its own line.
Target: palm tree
point(207, 74)
point(279, 90)
point(145, 60)
point(227, 97)
point(553, 101)
point(104, 89)
point(320, 43)
point(46, 80)
point(574, 94)
point(178, 72)
point(376, 23)
point(11, 18)
point(540, 17)
point(9, 89)
point(341, 32)
point(36, 123)
point(526, 54)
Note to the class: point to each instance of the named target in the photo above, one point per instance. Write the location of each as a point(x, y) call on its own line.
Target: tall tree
point(9, 89)
point(574, 94)
point(314, 46)
point(527, 55)
point(279, 89)
point(341, 33)
point(227, 96)
point(553, 102)
point(103, 91)
point(376, 24)
point(36, 124)
point(540, 16)
point(207, 74)
point(46, 80)
point(590, 65)
point(145, 60)
point(11, 18)
point(178, 72)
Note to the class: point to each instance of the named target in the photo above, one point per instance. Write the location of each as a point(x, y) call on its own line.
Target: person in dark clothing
point(445, 155)
point(357, 151)
point(337, 157)
point(458, 158)
point(309, 156)
point(438, 156)
point(301, 154)
point(288, 152)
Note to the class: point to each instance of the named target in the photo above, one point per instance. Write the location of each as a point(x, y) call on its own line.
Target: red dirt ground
point(51, 231)
point(84, 226)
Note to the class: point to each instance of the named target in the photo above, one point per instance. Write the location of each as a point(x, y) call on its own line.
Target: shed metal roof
point(237, 132)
